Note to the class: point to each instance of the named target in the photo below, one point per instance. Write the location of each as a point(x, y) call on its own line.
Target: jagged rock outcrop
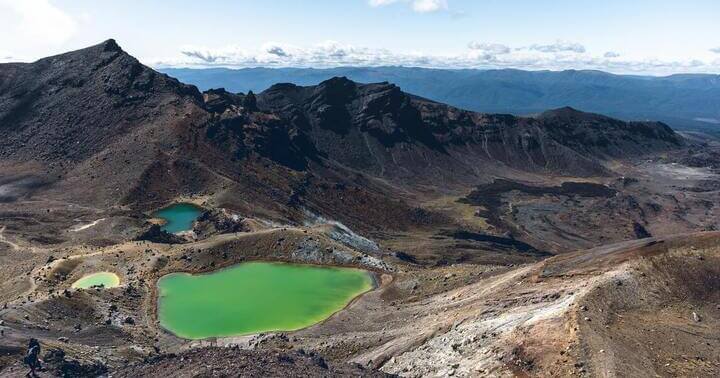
point(219, 100)
point(219, 221)
point(154, 233)
point(378, 128)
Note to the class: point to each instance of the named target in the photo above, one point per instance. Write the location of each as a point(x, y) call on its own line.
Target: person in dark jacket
point(32, 358)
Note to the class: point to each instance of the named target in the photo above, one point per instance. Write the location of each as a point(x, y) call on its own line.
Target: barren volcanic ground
point(564, 244)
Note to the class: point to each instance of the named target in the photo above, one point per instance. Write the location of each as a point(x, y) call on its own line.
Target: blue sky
point(639, 36)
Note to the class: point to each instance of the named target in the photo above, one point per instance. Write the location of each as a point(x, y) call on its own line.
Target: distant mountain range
point(685, 102)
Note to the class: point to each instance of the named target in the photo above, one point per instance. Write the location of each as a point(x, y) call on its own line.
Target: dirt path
point(8, 242)
point(86, 226)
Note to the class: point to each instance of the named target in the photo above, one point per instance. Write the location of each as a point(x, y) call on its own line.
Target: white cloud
point(202, 55)
point(559, 46)
point(478, 55)
point(491, 48)
point(274, 49)
point(424, 6)
point(420, 6)
point(39, 21)
point(716, 50)
point(327, 54)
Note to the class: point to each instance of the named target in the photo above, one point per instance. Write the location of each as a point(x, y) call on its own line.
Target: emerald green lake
point(179, 217)
point(255, 297)
point(106, 279)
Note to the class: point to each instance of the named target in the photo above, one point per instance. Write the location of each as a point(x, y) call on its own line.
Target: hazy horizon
point(658, 75)
point(643, 37)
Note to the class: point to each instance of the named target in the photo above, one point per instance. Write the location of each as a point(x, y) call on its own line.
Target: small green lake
point(106, 279)
point(178, 217)
point(255, 297)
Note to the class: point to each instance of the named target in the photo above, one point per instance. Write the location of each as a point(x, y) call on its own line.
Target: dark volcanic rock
point(225, 362)
point(219, 100)
point(154, 233)
point(498, 242)
point(640, 231)
point(703, 159)
point(490, 195)
point(249, 102)
point(71, 105)
point(218, 221)
point(379, 128)
point(498, 187)
point(603, 136)
point(56, 362)
point(405, 257)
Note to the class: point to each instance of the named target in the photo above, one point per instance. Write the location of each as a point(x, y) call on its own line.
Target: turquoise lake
point(179, 217)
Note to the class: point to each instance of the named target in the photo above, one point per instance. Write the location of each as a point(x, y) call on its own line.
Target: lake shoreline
point(373, 283)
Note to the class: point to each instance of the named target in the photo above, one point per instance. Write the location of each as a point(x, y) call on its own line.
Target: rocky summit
point(562, 243)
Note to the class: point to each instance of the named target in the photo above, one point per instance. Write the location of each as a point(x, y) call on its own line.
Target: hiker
point(32, 359)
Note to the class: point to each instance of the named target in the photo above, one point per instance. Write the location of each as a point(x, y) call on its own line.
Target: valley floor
point(514, 307)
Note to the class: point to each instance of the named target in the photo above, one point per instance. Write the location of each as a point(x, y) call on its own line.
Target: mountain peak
point(110, 45)
point(338, 80)
point(88, 58)
point(338, 85)
point(565, 110)
point(282, 87)
point(570, 113)
point(96, 90)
